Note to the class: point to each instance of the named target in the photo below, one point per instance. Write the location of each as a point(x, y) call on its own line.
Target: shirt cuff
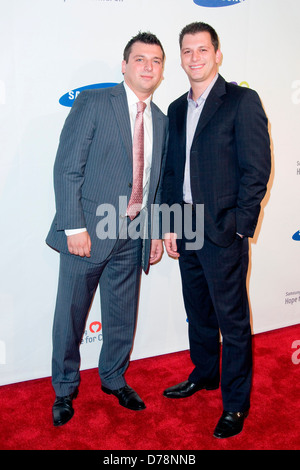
point(74, 231)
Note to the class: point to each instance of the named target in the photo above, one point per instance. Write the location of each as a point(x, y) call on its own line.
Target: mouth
point(196, 67)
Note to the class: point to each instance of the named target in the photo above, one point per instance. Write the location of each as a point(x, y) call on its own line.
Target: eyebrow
point(200, 46)
point(142, 55)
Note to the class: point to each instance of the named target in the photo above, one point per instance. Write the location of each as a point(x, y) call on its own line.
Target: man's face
point(144, 69)
point(199, 58)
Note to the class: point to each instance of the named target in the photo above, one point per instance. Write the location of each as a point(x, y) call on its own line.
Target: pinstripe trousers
point(118, 278)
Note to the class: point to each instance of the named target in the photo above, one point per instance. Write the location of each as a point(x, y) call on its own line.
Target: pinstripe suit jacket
point(93, 166)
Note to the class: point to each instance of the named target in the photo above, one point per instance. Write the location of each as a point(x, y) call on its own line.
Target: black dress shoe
point(187, 388)
point(230, 424)
point(62, 410)
point(127, 397)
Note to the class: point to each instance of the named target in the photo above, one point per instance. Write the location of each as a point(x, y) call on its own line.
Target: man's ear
point(218, 56)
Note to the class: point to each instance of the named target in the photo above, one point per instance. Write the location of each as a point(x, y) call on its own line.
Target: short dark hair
point(199, 27)
point(146, 38)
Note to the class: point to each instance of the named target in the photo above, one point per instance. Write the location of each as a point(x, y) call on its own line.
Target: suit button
point(129, 185)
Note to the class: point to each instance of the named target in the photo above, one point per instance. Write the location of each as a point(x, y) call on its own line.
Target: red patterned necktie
point(136, 199)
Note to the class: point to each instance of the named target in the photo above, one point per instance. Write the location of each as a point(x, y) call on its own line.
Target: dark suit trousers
point(215, 297)
point(119, 280)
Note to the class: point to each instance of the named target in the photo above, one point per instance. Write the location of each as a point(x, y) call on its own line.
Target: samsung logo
point(69, 98)
point(217, 3)
point(296, 236)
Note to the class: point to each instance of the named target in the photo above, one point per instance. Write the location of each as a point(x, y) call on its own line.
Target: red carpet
point(100, 423)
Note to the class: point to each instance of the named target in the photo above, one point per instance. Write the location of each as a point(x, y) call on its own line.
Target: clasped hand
point(80, 244)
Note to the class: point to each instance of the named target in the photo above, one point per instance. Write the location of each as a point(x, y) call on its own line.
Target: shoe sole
point(227, 437)
point(191, 394)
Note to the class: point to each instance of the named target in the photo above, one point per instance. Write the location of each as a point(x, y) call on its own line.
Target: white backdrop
point(51, 47)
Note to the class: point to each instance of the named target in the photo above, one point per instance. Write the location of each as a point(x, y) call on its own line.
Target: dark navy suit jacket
point(230, 160)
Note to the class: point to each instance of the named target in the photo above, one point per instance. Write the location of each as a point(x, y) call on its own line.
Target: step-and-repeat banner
point(50, 51)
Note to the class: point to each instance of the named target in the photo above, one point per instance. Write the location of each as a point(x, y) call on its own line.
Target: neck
point(198, 88)
point(142, 96)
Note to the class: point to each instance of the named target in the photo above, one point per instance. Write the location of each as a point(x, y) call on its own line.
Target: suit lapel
point(157, 144)
point(212, 104)
point(181, 116)
point(120, 106)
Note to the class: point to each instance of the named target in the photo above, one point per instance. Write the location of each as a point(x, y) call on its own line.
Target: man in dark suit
point(101, 239)
point(219, 157)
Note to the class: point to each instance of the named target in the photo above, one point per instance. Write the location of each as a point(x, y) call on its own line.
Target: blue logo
point(217, 3)
point(69, 98)
point(296, 236)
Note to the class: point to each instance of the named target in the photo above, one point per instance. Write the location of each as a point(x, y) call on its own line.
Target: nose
point(148, 65)
point(195, 56)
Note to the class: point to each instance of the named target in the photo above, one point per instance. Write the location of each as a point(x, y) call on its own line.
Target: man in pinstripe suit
point(94, 170)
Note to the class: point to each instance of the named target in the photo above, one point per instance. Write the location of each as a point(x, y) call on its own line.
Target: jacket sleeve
point(71, 158)
point(254, 159)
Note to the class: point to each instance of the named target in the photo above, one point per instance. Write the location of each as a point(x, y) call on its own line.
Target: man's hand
point(156, 251)
point(80, 244)
point(171, 244)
